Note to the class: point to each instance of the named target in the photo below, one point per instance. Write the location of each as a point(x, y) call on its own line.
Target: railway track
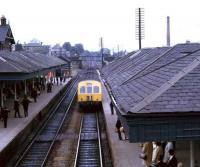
point(37, 152)
point(89, 143)
point(69, 154)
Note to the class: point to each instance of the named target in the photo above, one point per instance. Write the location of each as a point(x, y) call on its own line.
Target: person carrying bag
point(146, 154)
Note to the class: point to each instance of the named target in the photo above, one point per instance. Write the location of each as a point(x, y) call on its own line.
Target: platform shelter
point(25, 70)
point(156, 94)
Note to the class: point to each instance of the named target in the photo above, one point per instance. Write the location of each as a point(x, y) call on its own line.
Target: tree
point(18, 47)
point(79, 48)
point(106, 51)
point(67, 46)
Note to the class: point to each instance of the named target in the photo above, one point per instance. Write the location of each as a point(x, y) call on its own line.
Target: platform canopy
point(157, 92)
point(23, 65)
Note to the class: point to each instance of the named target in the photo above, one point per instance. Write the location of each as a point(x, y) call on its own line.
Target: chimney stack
point(168, 31)
point(3, 21)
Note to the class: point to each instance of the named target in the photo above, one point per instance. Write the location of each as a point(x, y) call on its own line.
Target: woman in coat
point(147, 149)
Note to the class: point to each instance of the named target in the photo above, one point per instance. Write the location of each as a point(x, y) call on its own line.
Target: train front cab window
point(89, 88)
point(96, 89)
point(82, 89)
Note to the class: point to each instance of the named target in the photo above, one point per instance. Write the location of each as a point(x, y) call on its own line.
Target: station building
point(20, 71)
point(156, 94)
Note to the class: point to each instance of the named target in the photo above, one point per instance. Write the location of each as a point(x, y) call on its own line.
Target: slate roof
point(132, 64)
point(3, 33)
point(183, 96)
point(64, 58)
point(26, 62)
point(157, 80)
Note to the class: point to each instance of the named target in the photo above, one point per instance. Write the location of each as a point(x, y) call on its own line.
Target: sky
point(85, 21)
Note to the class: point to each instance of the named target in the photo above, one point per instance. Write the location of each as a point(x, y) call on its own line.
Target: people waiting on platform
point(4, 115)
point(49, 87)
point(16, 107)
point(124, 133)
point(61, 80)
point(157, 155)
point(37, 85)
point(147, 150)
point(57, 81)
point(111, 108)
point(172, 162)
point(160, 162)
point(168, 146)
point(157, 151)
point(25, 103)
point(34, 94)
point(118, 126)
point(42, 83)
point(52, 80)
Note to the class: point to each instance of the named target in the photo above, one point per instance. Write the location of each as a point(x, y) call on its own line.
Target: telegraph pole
point(101, 46)
point(168, 31)
point(118, 50)
point(140, 25)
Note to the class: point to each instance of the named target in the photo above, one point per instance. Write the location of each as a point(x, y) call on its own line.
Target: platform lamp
point(139, 25)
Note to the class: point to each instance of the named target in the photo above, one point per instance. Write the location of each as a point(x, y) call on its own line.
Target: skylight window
point(24, 56)
point(135, 54)
point(184, 54)
point(2, 59)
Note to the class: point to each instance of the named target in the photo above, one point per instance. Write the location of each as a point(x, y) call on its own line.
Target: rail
point(43, 141)
point(88, 152)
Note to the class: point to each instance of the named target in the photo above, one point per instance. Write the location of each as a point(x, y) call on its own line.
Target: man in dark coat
point(160, 162)
point(61, 79)
point(172, 162)
point(111, 108)
point(34, 94)
point(4, 115)
point(118, 126)
point(49, 87)
point(25, 103)
point(16, 107)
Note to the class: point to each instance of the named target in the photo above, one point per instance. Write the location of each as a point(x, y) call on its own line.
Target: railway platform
point(123, 153)
point(17, 128)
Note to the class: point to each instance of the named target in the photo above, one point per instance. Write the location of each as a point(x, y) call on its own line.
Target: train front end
point(89, 93)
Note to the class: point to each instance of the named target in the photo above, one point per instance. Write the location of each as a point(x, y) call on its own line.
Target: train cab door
point(89, 92)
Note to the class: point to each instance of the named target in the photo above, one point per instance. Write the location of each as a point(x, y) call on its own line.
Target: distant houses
point(12, 57)
point(57, 51)
point(37, 46)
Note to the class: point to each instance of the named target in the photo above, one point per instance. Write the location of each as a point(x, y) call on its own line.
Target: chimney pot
point(3, 21)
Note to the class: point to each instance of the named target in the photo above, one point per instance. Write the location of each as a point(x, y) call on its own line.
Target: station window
point(82, 89)
point(96, 89)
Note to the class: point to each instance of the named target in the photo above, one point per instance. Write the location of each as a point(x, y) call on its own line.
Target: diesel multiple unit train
point(89, 93)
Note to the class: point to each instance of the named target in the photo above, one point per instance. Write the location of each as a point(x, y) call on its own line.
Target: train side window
point(82, 89)
point(96, 89)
